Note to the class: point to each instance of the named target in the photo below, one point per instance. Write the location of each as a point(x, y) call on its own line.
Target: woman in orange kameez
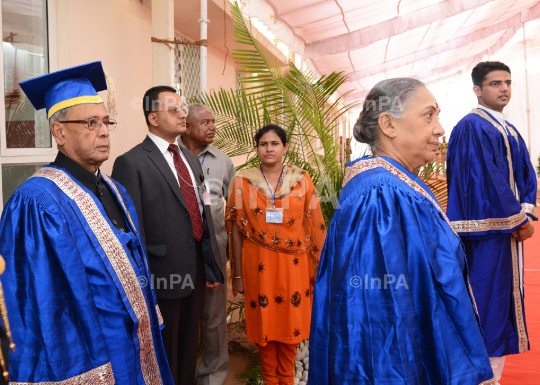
point(277, 234)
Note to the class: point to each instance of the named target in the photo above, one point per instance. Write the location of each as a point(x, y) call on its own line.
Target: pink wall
point(119, 35)
point(120, 38)
point(216, 57)
point(216, 78)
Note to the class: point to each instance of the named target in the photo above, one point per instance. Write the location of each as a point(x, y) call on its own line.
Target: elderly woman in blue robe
point(392, 304)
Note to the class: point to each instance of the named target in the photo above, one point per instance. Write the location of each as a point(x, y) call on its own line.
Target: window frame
point(29, 155)
point(21, 156)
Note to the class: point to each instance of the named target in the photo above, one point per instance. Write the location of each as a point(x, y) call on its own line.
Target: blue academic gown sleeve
point(481, 200)
point(55, 324)
point(525, 175)
point(391, 302)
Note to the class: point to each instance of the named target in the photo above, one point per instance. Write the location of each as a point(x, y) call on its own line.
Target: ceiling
point(373, 40)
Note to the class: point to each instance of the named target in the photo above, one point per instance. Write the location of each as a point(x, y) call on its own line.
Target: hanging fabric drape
point(424, 39)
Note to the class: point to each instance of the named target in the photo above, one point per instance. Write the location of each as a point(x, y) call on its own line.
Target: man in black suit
point(167, 186)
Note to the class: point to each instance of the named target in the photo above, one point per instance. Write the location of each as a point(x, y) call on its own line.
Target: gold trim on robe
point(102, 375)
point(489, 224)
point(376, 162)
point(121, 265)
point(113, 186)
point(512, 132)
point(523, 340)
point(484, 115)
point(159, 316)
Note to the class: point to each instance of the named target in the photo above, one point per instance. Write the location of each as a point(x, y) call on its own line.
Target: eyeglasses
point(498, 84)
point(94, 124)
point(176, 109)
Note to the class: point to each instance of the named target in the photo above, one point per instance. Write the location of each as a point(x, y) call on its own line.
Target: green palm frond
point(299, 101)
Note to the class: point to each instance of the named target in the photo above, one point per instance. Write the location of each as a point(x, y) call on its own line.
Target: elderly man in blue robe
point(492, 202)
point(76, 279)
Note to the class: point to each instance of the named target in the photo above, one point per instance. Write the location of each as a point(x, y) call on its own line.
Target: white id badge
point(274, 215)
point(207, 185)
point(206, 198)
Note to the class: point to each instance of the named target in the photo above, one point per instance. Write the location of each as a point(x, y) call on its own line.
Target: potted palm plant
point(299, 101)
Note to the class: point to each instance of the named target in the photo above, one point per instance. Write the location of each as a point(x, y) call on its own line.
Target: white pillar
point(203, 21)
point(63, 37)
point(292, 57)
point(162, 56)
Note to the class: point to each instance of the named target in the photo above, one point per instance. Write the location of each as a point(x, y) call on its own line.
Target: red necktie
point(188, 192)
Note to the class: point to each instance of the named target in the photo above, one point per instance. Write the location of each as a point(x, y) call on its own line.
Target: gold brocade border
point(371, 163)
point(530, 209)
point(102, 375)
point(512, 132)
point(484, 115)
point(523, 340)
point(489, 224)
point(159, 316)
point(522, 333)
point(472, 294)
point(121, 265)
point(113, 186)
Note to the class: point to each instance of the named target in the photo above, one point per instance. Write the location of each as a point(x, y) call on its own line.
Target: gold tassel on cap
point(111, 97)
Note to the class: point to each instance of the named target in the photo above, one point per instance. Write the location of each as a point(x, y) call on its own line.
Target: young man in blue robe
point(76, 279)
point(492, 202)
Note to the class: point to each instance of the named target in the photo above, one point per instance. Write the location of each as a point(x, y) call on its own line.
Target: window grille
point(187, 79)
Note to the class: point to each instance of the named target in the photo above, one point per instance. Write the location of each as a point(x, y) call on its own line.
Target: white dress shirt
point(497, 115)
point(163, 146)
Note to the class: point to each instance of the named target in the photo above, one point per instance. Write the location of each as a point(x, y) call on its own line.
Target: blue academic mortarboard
point(66, 88)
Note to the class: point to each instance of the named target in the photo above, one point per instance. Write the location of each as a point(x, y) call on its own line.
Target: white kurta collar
point(501, 117)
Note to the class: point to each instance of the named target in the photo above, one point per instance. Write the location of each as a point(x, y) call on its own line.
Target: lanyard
point(204, 157)
point(275, 188)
